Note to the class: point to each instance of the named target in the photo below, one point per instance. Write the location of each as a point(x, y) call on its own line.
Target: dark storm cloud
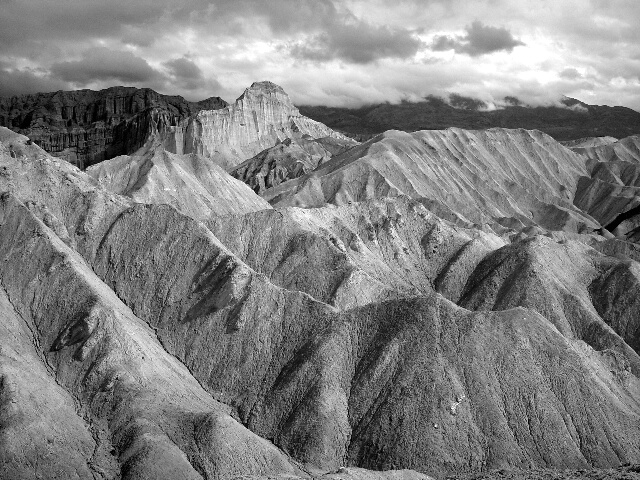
point(100, 64)
point(358, 43)
point(17, 82)
point(479, 40)
point(72, 20)
point(570, 74)
point(186, 74)
point(184, 68)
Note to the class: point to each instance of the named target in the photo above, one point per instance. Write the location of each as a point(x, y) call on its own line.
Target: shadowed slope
point(358, 253)
point(140, 399)
point(611, 193)
point(288, 159)
point(86, 126)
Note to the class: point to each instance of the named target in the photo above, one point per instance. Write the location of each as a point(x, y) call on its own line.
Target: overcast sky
point(328, 52)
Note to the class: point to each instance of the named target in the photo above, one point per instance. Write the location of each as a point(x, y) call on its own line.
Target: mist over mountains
point(87, 127)
point(213, 290)
point(570, 119)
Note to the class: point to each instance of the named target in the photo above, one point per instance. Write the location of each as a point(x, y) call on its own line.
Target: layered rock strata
point(86, 127)
point(260, 118)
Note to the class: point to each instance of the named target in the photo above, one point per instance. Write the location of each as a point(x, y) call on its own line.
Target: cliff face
point(85, 127)
point(261, 117)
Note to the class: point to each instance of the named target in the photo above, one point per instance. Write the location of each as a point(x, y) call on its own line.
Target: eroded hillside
point(427, 304)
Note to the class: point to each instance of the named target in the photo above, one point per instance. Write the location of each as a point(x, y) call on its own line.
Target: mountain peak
point(266, 88)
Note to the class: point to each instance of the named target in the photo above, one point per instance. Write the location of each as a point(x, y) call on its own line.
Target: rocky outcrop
point(507, 178)
point(261, 117)
point(289, 159)
point(86, 127)
point(611, 191)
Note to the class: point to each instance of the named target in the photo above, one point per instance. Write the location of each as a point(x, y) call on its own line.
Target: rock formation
point(260, 118)
point(86, 127)
point(442, 303)
point(611, 191)
point(289, 159)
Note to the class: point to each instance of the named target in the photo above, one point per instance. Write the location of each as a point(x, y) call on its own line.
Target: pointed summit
point(265, 87)
point(260, 118)
point(270, 92)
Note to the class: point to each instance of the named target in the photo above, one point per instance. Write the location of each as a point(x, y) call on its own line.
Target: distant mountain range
point(573, 120)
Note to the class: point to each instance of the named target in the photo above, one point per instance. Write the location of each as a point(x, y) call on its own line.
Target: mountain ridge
point(434, 113)
point(434, 303)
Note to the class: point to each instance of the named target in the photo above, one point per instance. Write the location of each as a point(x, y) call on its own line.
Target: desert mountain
point(86, 127)
point(289, 159)
point(611, 192)
point(569, 120)
point(505, 178)
point(260, 118)
point(436, 303)
point(192, 184)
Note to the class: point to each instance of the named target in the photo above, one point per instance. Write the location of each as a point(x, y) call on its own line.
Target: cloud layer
point(332, 52)
point(478, 40)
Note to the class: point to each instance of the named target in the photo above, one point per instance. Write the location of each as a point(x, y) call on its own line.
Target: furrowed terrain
point(437, 304)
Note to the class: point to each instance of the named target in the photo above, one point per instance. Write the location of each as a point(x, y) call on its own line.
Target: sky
point(328, 52)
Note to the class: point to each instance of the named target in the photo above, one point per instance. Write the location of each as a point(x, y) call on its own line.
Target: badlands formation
point(246, 293)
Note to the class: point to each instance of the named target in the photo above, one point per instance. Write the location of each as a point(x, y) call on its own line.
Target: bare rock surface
point(188, 362)
point(377, 250)
point(626, 472)
point(154, 417)
point(41, 432)
point(192, 184)
point(589, 142)
point(261, 117)
point(86, 126)
point(571, 284)
point(611, 191)
point(287, 160)
point(626, 149)
point(513, 178)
